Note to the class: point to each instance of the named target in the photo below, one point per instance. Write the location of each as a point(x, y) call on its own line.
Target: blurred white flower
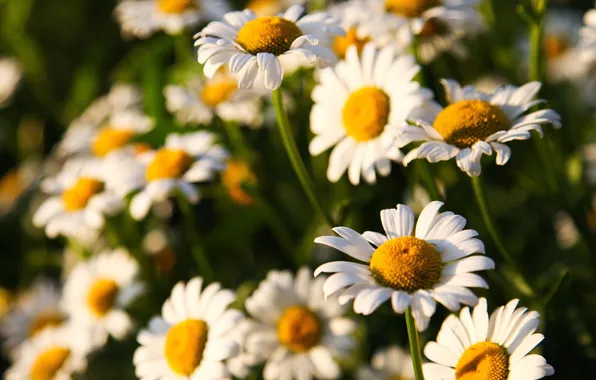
point(254, 47)
point(388, 364)
point(474, 346)
point(192, 338)
point(587, 44)
point(415, 265)
point(565, 229)
point(476, 123)
point(271, 7)
point(10, 76)
point(16, 182)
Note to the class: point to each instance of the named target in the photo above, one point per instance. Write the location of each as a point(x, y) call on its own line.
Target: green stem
point(237, 141)
point(282, 236)
point(429, 182)
point(197, 251)
point(294, 156)
point(521, 283)
point(536, 35)
point(415, 351)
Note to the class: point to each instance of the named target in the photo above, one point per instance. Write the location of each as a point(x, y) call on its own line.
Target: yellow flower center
point(555, 46)
point(366, 113)
point(109, 139)
point(185, 345)
point(102, 296)
point(5, 301)
point(236, 178)
point(464, 123)
point(77, 197)
point(270, 34)
point(406, 263)
point(264, 7)
point(341, 44)
point(168, 163)
point(47, 365)
point(410, 8)
point(483, 361)
point(432, 27)
point(11, 186)
point(175, 6)
point(299, 329)
point(44, 320)
point(218, 91)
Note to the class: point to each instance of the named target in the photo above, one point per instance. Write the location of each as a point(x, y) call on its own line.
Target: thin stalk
point(197, 251)
point(522, 284)
point(278, 229)
point(536, 36)
point(429, 182)
point(294, 156)
point(415, 351)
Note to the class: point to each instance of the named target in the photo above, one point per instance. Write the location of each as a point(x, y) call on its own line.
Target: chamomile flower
point(145, 17)
point(587, 44)
point(475, 346)
point(295, 330)
point(391, 363)
point(55, 353)
point(34, 311)
point(199, 100)
point(360, 104)
point(78, 202)
point(122, 97)
point(271, 7)
point(97, 291)
point(476, 123)
point(192, 338)
point(254, 47)
point(413, 268)
point(10, 76)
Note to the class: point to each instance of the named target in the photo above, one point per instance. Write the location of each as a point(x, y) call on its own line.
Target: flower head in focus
point(587, 44)
point(10, 76)
point(416, 264)
point(388, 364)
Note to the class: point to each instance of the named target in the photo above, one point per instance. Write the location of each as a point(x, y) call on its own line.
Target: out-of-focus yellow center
point(102, 296)
point(366, 113)
point(11, 187)
point(432, 27)
point(464, 123)
point(397, 378)
point(44, 320)
point(109, 139)
point(47, 365)
point(555, 46)
point(265, 7)
point(483, 361)
point(236, 178)
point(77, 196)
point(410, 8)
point(175, 6)
point(406, 263)
point(168, 163)
point(299, 329)
point(270, 34)
point(218, 91)
point(341, 44)
point(185, 345)
point(5, 301)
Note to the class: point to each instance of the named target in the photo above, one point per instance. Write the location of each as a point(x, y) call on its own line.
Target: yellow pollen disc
point(185, 344)
point(406, 263)
point(341, 44)
point(43, 320)
point(109, 139)
point(464, 123)
point(77, 197)
point(218, 91)
point(102, 296)
point(299, 329)
point(270, 34)
point(11, 186)
point(236, 178)
point(483, 361)
point(168, 163)
point(175, 6)
point(366, 113)
point(265, 7)
point(47, 365)
point(555, 46)
point(410, 8)
point(432, 27)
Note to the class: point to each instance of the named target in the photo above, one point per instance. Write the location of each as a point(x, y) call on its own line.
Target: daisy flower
point(587, 44)
point(10, 76)
point(391, 363)
point(34, 311)
point(360, 104)
point(264, 8)
point(17, 182)
point(199, 101)
point(254, 47)
point(413, 267)
point(295, 330)
point(97, 291)
point(122, 97)
point(191, 339)
point(476, 123)
point(475, 346)
point(143, 18)
point(55, 353)
point(237, 179)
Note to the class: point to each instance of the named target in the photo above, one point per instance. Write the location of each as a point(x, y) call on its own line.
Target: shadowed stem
point(429, 182)
point(415, 351)
point(294, 156)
